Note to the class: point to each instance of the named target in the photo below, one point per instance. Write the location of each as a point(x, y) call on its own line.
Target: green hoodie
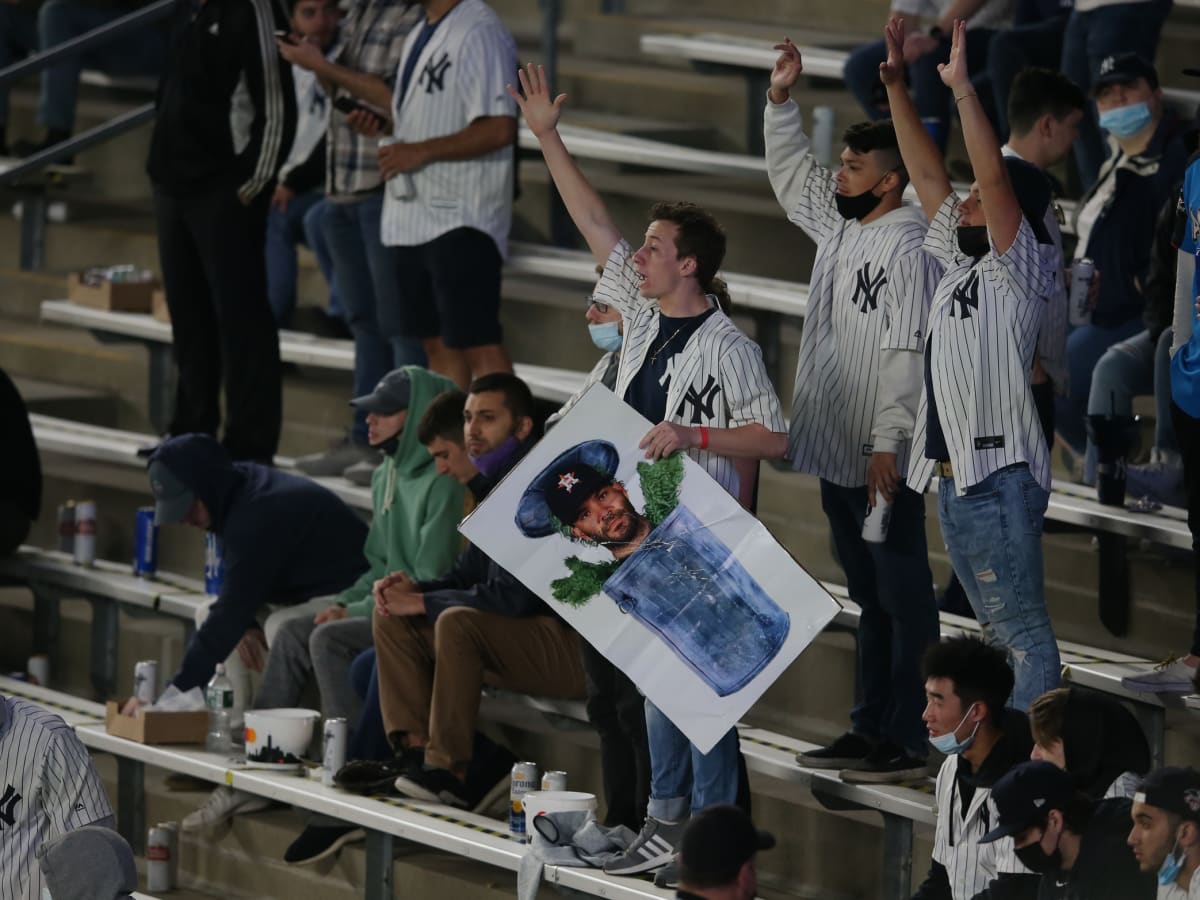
point(417, 511)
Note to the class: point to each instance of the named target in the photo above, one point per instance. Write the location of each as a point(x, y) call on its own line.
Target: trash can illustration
point(688, 588)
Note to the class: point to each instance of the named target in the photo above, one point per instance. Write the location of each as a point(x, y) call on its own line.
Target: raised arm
point(922, 159)
point(995, 191)
point(587, 210)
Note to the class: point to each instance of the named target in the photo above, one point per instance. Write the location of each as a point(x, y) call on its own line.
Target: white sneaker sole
point(199, 822)
point(655, 853)
point(350, 837)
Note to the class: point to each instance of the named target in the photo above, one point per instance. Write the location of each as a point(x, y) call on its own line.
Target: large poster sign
point(654, 564)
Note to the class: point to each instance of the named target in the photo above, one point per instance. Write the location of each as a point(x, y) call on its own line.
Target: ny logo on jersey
point(966, 295)
point(7, 804)
point(434, 74)
point(703, 401)
point(867, 288)
point(1194, 215)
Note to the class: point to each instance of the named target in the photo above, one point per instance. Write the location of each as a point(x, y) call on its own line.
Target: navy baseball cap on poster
point(717, 842)
point(1123, 68)
point(1024, 795)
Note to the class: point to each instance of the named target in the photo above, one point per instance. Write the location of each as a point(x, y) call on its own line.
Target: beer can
point(145, 543)
point(333, 756)
point(1082, 272)
point(554, 780)
point(878, 518)
point(38, 669)
point(158, 859)
point(172, 830)
point(524, 779)
point(85, 532)
point(214, 565)
point(145, 680)
point(66, 527)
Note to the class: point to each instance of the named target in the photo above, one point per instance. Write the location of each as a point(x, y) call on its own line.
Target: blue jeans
point(993, 535)
point(284, 231)
point(682, 779)
point(892, 584)
point(18, 38)
point(139, 53)
point(1085, 345)
point(1091, 36)
point(367, 740)
point(1134, 367)
point(1016, 48)
point(930, 94)
point(314, 236)
point(367, 288)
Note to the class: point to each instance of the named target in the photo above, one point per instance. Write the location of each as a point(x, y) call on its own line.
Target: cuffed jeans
point(285, 230)
point(301, 648)
point(314, 236)
point(431, 675)
point(993, 535)
point(369, 295)
point(893, 586)
point(682, 779)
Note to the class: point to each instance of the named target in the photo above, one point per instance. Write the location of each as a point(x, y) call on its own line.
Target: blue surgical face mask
point(949, 744)
point(606, 335)
point(1125, 121)
point(1169, 870)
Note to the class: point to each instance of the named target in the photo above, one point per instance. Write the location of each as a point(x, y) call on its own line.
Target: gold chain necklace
point(663, 345)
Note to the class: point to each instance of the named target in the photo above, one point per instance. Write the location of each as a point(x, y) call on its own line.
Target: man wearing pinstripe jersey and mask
point(981, 432)
point(48, 787)
point(858, 380)
point(686, 367)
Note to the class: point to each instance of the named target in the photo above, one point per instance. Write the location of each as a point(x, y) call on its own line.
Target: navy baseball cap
point(390, 396)
point(1174, 789)
point(717, 842)
point(1123, 68)
point(560, 490)
point(1024, 795)
point(172, 498)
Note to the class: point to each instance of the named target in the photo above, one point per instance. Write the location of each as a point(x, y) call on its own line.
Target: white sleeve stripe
point(273, 93)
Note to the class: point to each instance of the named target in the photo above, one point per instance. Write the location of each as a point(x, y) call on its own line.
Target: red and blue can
point(145, 543)
point(214, 565)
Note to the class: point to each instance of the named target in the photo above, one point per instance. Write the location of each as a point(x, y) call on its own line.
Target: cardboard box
point(121, 296)
point(158, 306)
point(157, 727)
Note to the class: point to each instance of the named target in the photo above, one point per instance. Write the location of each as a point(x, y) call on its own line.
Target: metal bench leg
point(897, 858)
point(131, 803)
point(756, 100)
point(105, 630)
point(161, 386)
point(1153, 720)
point(1114, 598)
point(380, 848)
point(33, 228)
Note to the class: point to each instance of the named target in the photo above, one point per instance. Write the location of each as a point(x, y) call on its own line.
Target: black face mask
point(973, 240)
point(1035, 859)
point(860, 205)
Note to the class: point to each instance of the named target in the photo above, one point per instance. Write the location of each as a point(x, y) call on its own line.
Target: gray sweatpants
point(300, 648)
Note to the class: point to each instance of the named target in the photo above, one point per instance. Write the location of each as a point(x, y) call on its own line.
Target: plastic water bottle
point(219, 696)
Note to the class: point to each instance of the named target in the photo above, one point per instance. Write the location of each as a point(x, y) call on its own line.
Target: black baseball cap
point(1024, 795)
point(389, 397)
point(717, 842)
point(1123, 68)
point(1174, 789)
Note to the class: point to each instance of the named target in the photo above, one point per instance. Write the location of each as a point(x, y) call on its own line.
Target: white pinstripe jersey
point(460, 76)
point(48, 786)
point(719, 381)
point(983, 327)
point(1173, 891)
point(870, 291)
point(970, 865)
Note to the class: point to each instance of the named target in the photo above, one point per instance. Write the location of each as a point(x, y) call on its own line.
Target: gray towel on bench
point(568, 839)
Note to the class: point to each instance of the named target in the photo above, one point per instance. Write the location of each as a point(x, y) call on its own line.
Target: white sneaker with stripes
point(654, 848)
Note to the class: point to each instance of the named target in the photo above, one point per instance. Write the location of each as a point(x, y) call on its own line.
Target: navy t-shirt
point(647, 393)
point(935, 438)
point(422, 39)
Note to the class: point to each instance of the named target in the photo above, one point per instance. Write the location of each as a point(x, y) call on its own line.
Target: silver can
point(524, 780)
point(333, 756)
point(145, 680)
point(399, 187)
point(158, 859)
point(1082, 273)
point(878, 518)
point(172, 830)
point(555, 780)
point(85, 532)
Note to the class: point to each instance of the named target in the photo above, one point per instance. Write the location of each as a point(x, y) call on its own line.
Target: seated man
point(1093, 737)
point(717, 854)
point(1166, 831)
point(1076, 845)
point(20, 469)
point(50, 787)
point(439, 642)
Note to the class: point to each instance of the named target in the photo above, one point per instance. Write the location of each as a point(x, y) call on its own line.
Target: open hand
point(891, 70)
point(787, 70)
point(667, 437)
point(252, 650)
point(954, 73)
point(540, 112)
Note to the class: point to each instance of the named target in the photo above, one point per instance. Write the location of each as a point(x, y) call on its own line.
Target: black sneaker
point(375, 776)
point(436, 786)
point(847, 752)
point(489, 773)
point(316, 843)
point(886, 765)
